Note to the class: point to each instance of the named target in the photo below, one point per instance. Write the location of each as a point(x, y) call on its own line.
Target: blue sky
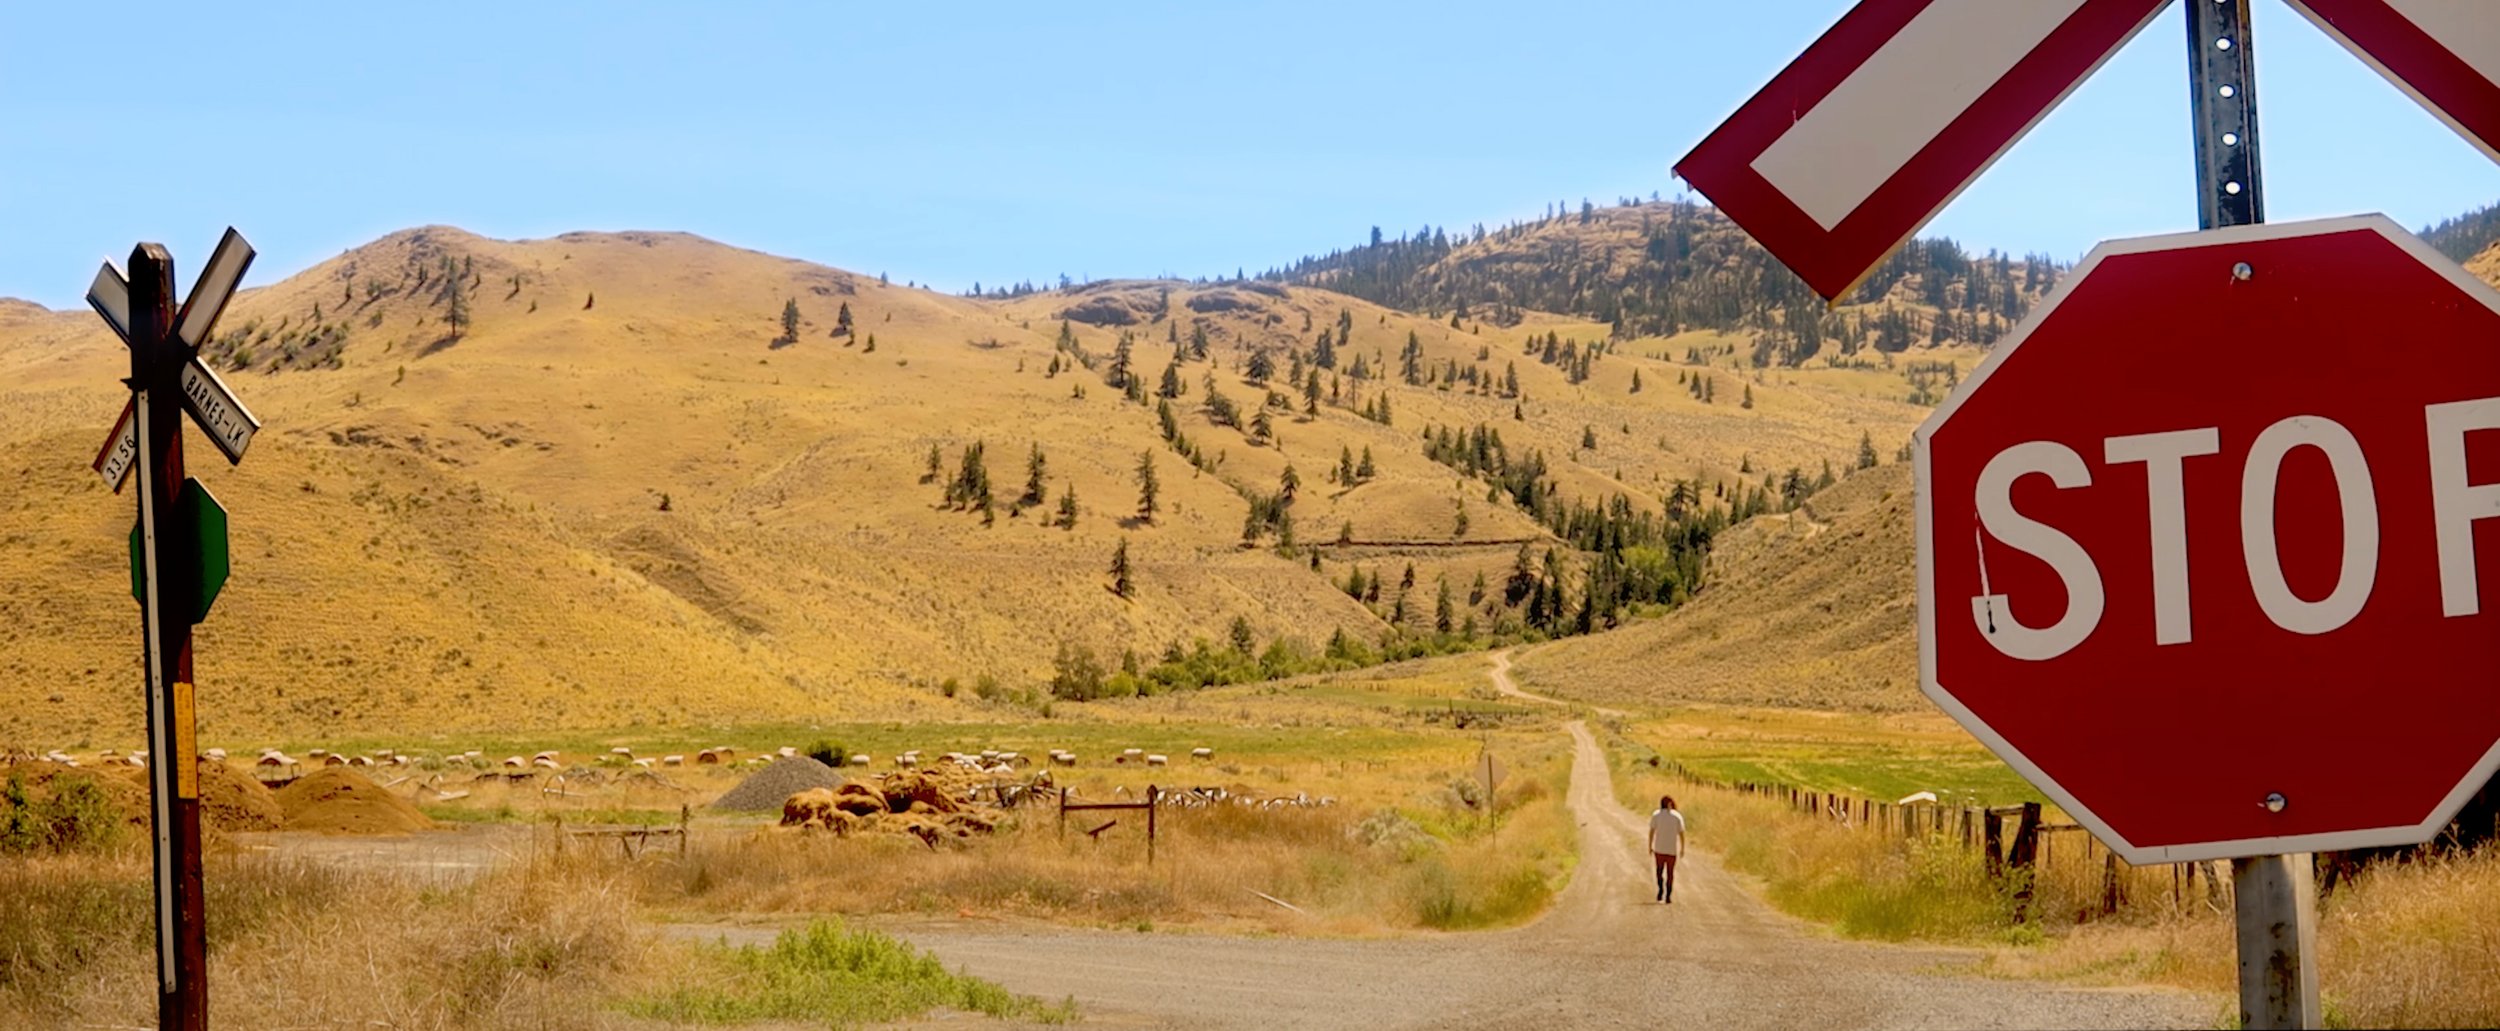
point(991, 142)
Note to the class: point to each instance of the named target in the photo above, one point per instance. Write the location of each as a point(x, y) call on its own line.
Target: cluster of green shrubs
point(74, 815)
point(1079, 675)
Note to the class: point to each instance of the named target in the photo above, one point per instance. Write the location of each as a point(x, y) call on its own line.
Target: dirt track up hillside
point(1605, 956)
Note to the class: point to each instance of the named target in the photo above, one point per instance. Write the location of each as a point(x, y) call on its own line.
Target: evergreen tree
point(456, 310)
point(1121, 584)
point(1146, 487)
point(1243, 642)
point(841, 320)
point(789, 321)
point(1067, 507)
point(1035, 467)
point(1588, 438)
point(937, 464)
point(1345, 466)
point(1866, 450)
point(1636, 381)
point(1444, 612)
point(1288, 484)
point(1747, 403)
point(1364, 472)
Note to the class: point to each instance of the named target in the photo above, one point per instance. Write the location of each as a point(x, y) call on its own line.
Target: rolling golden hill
point(620, 494)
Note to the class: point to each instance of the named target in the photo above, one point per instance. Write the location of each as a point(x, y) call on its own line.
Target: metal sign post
point(2275, 898)
point(178, 561)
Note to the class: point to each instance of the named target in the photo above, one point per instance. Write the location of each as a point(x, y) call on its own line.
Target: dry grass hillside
point(619, 495)
point(1813, 609)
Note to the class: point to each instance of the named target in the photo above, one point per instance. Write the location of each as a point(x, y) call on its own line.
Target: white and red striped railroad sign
point(1883, 120)
point(2444, 53)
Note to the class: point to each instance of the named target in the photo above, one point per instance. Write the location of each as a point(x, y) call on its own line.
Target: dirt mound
point(338, 800)
point(769, 787)
point(232, 800)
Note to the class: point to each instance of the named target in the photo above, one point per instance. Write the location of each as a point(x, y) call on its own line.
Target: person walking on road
point(1666, 842)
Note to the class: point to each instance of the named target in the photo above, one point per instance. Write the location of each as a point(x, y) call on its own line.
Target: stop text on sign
point(2456, 503)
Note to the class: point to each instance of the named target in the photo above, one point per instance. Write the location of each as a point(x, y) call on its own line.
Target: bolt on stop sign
point(2204, 547)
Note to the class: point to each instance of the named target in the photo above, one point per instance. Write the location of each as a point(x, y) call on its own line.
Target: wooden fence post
point(2025, 853)
point(1993, 838)
point(1154, 798)
point(2110, 888)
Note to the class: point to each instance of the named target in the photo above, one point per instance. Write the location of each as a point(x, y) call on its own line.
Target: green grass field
point(1861, 756)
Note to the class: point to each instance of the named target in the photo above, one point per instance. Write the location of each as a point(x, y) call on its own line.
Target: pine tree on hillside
point(1171, 386)
point(1243, 642)
point(1866, 450)
point(1288, 484)
point(1121, 584)
point(1364, 472)
point(937, 464)
point(1067, 507)
point(789, 322)
point(1444, 612)
point(1035, 468)
point(1146, 487)
point(1636, 381)
point(842, 320)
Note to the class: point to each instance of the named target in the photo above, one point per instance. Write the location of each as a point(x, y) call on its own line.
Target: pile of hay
point(338, 800)
point(924, 804)
point(767, 788)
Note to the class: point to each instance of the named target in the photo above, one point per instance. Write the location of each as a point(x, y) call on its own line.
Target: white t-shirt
point(1666, 832)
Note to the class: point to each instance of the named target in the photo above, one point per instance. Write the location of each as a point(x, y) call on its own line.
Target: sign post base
point(2276, 909)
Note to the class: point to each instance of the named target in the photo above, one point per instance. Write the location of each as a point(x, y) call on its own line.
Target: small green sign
point(197, 514)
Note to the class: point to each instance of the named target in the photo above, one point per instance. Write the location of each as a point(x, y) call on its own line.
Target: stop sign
point(2203, 546)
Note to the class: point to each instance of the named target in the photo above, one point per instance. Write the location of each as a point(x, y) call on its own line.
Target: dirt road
point(1504, 684)
point(1605, 956)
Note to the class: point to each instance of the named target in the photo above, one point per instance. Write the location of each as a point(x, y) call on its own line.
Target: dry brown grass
point(295, 944)
point(1431, 860)
point(1815, 609)
point(2410, 944)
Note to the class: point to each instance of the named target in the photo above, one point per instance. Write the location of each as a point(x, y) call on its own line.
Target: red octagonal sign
point(2204, 549)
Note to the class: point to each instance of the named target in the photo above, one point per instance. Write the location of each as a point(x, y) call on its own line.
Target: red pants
point(1666, 875)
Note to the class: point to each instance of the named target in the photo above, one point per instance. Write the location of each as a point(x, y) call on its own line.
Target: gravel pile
point(774, 784)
